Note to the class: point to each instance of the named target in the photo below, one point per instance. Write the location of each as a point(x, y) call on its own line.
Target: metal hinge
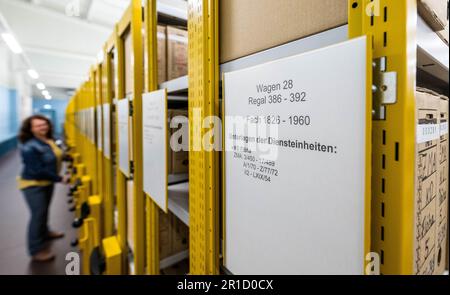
point(384, 88)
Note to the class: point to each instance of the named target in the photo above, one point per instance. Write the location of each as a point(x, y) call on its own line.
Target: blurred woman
point(42, 161)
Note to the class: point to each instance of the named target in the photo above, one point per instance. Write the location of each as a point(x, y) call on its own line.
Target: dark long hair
point(25, 133)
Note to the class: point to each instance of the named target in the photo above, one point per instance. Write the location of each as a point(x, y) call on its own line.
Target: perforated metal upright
point(90, 158)
point(393, 27)
point(203, 165)
point(91, 138)
point(132, 21)
point(99, 136)
point(151, 84)
point(70, 124)
point(107, 96)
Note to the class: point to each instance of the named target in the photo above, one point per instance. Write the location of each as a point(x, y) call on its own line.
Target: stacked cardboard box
point(442, 211)
point(434, 12)
point(165, 237)
point(172, 53)
point(173, 235)
point(444, 34)
point(162, 54)
point(429, 208)
point(178, 161)
point(177, 53)
point(180, 235)
point(250, 26)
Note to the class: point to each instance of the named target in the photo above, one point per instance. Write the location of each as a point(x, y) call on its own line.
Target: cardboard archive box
point(180, 159)
point(250, 26)
point(434, 12)
point(428, 210)
point(177, 53)
point(162, 54)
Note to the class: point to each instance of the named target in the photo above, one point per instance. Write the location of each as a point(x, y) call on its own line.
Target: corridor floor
point(14, 217)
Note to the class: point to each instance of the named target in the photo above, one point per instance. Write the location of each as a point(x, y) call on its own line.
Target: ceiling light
point(45, 93)
point(47, 107)
point(33, 74)
point(40, 86)
point(12, 43)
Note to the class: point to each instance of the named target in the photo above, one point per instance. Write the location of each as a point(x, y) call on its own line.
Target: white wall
point(24, 96)
point(5, 66)
point(15, 92)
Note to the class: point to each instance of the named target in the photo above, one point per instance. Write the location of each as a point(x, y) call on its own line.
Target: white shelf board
point(306, 44)
point(177, 178)
point(178, 195)
point(176, 85)
point(174, 259)
point(432, 52)
point(177, 98)
point(173, 8)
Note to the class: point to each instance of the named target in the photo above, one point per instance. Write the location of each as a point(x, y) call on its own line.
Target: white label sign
point(295, 138)
point(99, 128)
point(154, 133)
point(427, 132)
point(123, 135)
point(106, 131)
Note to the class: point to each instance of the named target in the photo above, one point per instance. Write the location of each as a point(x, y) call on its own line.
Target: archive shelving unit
point(398, 35)
point(394, 37)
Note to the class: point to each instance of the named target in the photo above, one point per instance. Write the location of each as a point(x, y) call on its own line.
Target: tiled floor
point(14, 217)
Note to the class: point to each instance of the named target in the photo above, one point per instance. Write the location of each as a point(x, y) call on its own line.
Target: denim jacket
point(39, 161)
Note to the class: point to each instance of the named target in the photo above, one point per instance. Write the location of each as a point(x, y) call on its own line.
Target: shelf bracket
point(385, 88)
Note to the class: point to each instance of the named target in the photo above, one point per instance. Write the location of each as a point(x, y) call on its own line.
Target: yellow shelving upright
point(92, 144)
point(203, 165)
point(114, 245)
point(70, 124)
point(107, 98)
point(151, 84)
point(131, 23)
point(393, 27)
point(98, 99)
